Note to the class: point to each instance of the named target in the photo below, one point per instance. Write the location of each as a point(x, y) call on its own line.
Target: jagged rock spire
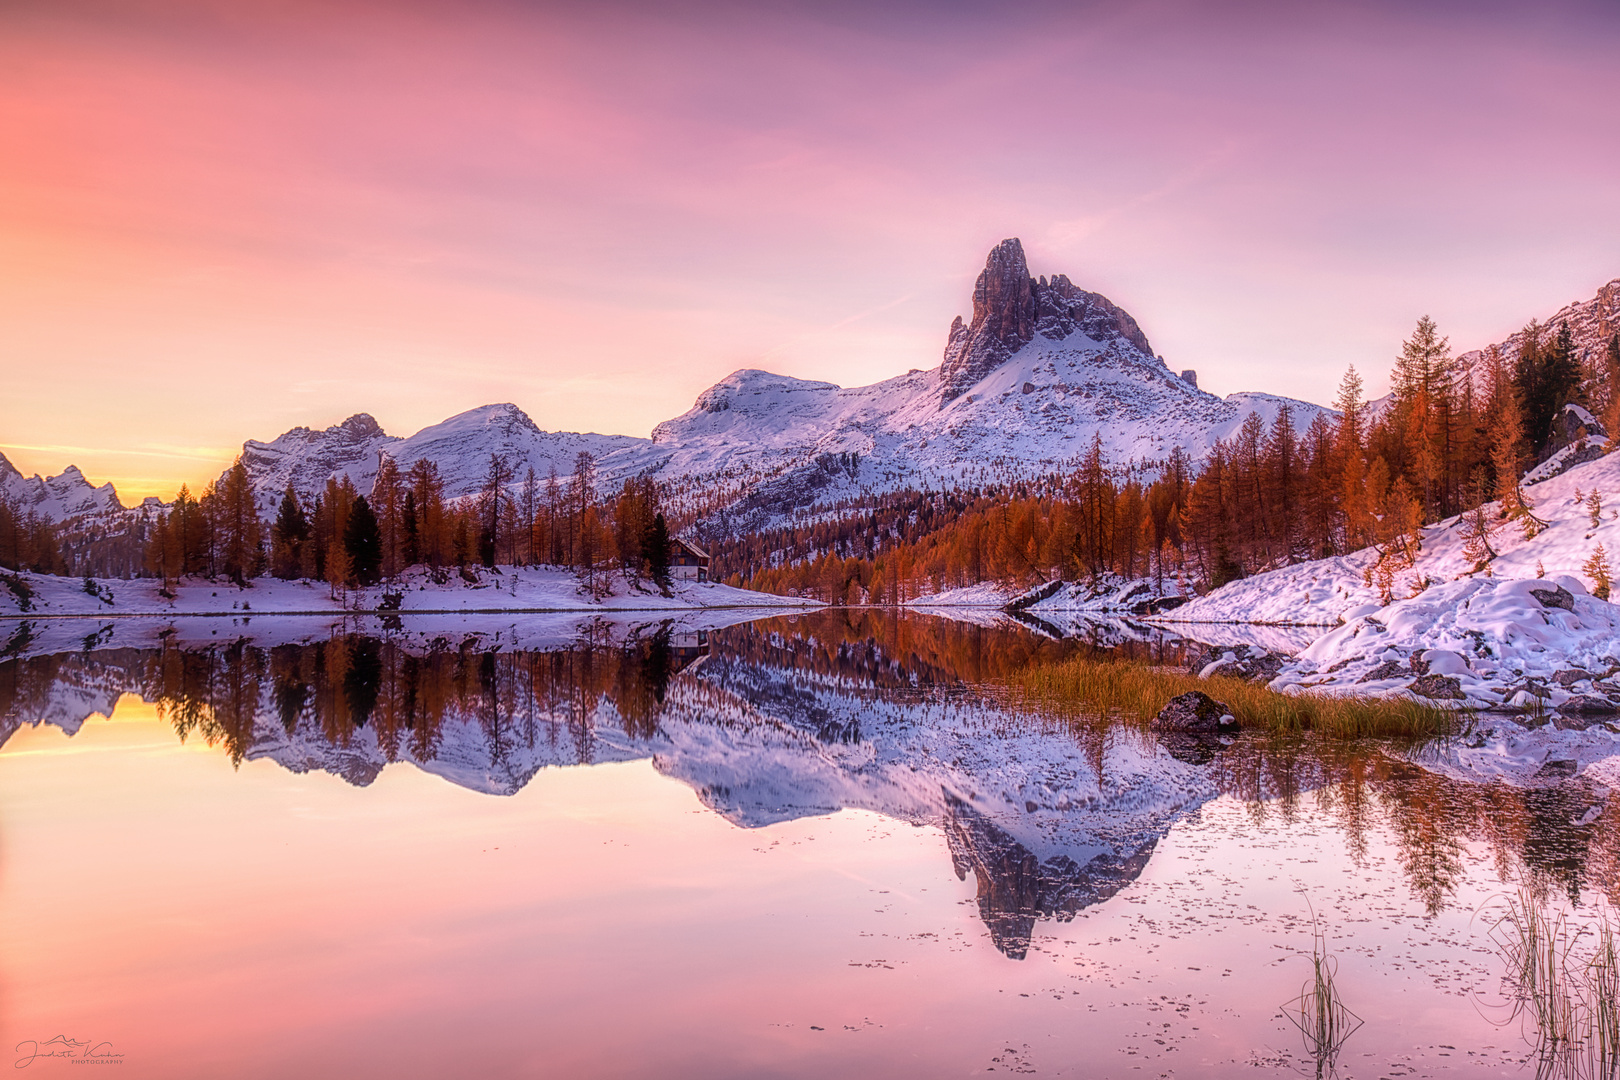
point(1010, 308)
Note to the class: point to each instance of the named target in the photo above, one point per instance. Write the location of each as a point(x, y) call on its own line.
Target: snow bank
point(1111, 594)
point(984, 594)
point(511, 589)
point(1479, 643)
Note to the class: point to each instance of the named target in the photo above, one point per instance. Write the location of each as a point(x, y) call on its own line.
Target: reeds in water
point(1567, 990)
point(1323, 1019)
point(1129, 691)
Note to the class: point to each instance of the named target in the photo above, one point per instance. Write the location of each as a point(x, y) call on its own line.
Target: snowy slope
point(524, 588)
point(1325, 592)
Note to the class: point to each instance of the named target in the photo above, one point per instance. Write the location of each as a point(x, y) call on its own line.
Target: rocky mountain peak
point(359, 427)
point(1010, 308)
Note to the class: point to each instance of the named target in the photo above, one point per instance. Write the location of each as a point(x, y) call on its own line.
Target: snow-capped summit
point(461, 447)
point(58, 497)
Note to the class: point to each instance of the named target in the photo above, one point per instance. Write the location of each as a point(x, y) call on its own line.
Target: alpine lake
point(829, 844)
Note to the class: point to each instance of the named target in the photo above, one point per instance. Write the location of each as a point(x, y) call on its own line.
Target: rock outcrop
point(1195, 713)
point(1010, 308)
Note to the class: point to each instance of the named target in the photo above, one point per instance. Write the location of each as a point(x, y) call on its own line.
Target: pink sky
point(221, 220)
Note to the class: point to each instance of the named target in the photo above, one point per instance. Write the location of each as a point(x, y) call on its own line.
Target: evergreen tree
point(1597, 571)
point(491, 502)
point(656, 547)
point(288, 535)
point(362, 541)
point(1548, 374)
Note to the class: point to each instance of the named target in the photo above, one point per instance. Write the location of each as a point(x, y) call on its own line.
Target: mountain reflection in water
point(795, 716)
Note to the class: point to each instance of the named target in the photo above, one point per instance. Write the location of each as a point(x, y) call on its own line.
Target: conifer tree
point(656, 546)
point(387, 504)
point(287, 537)
point(492, 500)
point(1478, 528)
point(1505, 441)
point(434, 529)
point(1597, 571)
point(239, 530)
point(362, 542)
point(530, 515)
point(1425, 387)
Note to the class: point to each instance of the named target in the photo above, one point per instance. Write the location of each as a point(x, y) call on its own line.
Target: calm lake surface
point(805, 846)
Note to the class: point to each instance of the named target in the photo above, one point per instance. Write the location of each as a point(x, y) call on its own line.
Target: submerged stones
point(1193, 713)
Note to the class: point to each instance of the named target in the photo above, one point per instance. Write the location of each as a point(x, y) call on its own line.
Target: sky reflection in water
point(800, 848)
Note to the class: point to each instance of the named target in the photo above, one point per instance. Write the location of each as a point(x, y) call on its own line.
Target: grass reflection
point(1136, 692)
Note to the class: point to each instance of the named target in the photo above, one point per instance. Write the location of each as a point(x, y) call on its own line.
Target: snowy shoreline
point(508, 591)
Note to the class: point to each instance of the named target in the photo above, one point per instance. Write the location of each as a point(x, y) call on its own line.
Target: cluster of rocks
point(1248, 662)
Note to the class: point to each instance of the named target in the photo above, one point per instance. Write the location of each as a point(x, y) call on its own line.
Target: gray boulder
point(1194, 712)
point(1555, 597)
point(1438, 687)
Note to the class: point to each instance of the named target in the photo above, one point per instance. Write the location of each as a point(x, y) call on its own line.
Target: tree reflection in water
point(788, 717)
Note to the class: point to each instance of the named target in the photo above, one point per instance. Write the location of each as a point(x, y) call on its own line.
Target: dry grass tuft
point(1134, 692)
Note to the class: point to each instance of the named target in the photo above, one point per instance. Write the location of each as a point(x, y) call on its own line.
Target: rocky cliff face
point(1010, 308)
point(1591, 324)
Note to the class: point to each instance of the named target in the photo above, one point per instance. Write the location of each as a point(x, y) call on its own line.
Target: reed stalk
point(1569, 996)
point(1323, 1019)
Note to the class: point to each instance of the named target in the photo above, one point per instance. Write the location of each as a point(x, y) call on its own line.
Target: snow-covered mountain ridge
point(56, 497)
point(1592, 323)
point(1042, 368)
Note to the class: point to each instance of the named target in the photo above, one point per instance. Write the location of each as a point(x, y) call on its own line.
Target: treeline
point(1456, 435)
point(910, 544)
point(29, 540)
point(347, 539)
